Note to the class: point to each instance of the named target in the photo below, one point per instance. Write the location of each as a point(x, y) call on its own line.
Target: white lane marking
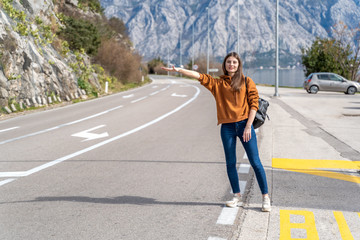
point(244, 168)
point(12, 174)
point(59, 126)
point(88, 135)
point(176, 95)
point(216, 238)
point(6, 181)
point(52, 163)
point(242, 185)
point(227, 216)
point(163, 89)
point(152, 94)
point(128, 96)
point(8, 129)
point(139, 99)
point(245, 156)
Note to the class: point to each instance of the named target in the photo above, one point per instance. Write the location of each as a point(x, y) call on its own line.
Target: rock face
point(156, 26)
point(29, 69)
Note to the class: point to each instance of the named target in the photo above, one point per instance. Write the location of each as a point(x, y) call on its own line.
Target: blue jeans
point(229, 132)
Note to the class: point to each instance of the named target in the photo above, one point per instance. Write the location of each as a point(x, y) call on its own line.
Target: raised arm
point(188, 73)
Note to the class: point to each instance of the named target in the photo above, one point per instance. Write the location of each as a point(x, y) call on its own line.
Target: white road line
point(8, 129)
point(245, 156)
point(52, 163)
point(154, 93)
point(13, 174)
point(216, 238)
point(128, 96)
point(139, 99)
point(244, 168)
point(163, 89)
point(178, 95)
point(227, 216)
point(60, 126)
point(6, 181)
point(242, 185)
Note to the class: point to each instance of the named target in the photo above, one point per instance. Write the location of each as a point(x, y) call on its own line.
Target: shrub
point(80, 34)
point(119, 61)
point(118, 26)
point(93, 5)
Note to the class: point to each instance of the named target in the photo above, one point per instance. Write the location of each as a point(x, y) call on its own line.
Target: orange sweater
point(231, 106)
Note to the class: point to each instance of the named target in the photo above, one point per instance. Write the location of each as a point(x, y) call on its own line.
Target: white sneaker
point(235, 202)
point(266, 206)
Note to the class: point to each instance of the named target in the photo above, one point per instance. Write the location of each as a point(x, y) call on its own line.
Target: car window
point(323, 76)
point(335, 78)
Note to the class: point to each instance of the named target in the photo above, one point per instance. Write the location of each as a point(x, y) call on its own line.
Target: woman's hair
point(236, 80)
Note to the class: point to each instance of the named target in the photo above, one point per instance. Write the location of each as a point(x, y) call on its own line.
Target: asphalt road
point(149, 164)
point(143, 164)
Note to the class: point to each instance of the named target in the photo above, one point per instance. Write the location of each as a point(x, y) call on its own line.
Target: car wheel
point(351, 90)
point(314, 89)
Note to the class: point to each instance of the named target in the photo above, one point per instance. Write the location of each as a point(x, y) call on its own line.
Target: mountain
point(156, 26)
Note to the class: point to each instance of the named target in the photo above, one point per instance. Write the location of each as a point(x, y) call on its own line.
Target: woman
point(236, 108)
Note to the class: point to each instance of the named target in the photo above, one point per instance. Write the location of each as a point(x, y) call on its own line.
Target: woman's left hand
point(247, 134)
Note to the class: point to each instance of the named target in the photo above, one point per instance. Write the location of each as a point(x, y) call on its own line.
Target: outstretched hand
point(172, 69)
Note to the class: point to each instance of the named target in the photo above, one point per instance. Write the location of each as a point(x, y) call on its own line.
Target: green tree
point(327, 55)
point(339, 54)
point(349, 38)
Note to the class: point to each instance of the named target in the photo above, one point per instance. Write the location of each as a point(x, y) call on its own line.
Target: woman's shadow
point(135, 200)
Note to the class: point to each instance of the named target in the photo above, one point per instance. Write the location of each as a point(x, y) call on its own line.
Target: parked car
point(324, 81)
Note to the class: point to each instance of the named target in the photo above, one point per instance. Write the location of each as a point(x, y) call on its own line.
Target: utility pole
point(193, 50)
point(277, 51)
point(238, 28)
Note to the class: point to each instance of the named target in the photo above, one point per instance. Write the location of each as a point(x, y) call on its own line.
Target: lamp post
point(277, 50)
point(168, 61)
point(180, 51)
point(208, 42)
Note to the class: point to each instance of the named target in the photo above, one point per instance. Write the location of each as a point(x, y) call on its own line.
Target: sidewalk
point(307, 129)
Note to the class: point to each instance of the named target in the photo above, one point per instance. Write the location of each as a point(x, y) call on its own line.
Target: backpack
point(261, 115)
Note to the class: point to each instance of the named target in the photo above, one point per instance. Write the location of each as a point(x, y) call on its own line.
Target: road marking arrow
point(91, 136)
point(176, 95)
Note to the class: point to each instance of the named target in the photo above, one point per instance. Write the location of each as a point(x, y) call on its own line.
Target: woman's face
point(231, 65)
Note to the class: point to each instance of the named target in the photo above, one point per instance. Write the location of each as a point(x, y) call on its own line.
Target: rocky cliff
point(32, 72)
